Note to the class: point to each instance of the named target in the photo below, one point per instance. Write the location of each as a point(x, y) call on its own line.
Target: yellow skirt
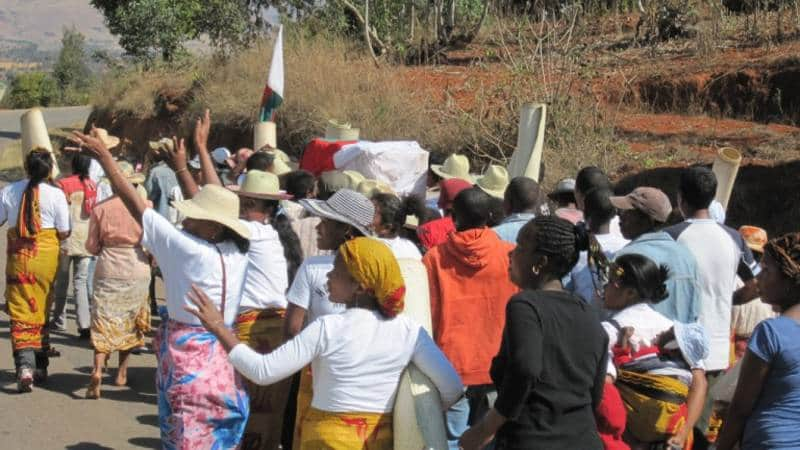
point(262, 330)
point(656, 405)
point(30, 271)
point(304, 395)
point(346, 431)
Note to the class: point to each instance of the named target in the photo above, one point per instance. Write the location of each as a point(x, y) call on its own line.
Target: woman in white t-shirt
point(38, 218)
point(201, 400)
point(357, 356)
point(390, 218)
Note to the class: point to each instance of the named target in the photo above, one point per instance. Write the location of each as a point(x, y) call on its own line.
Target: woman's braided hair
point(785, 250)
point(558, 239)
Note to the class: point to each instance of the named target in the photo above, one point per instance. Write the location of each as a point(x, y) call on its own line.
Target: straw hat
point(369, 188)
point(336, 131)
point(344, 206)
point(281, 164)
point(263, 185)
point(754, 237)
point(127, 170)
point(216, 204)
point(334, 180)
point(495, 181)
point(161, 145)
point(455, 166)
point(109, 141)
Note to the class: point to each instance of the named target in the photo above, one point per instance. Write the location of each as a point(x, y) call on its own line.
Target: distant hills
point(30, 30)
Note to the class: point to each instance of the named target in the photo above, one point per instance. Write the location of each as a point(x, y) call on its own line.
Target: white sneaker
point(25, 380)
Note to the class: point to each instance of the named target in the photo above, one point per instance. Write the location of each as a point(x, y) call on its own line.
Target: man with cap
point(643, 213)
point(564, 198)
point(520, 201)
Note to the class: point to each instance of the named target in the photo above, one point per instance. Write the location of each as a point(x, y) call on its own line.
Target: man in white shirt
point(721, 254)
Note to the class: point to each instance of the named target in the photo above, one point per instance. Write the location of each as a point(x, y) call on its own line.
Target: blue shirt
point(159, 184)
point(510, 226)
point(774, 421)
point(683, 284)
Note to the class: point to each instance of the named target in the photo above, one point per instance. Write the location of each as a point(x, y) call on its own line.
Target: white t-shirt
point(104, 190)
point(583, 278)
point(310, 288)
point(267, 279)
point(720, 253)
point(402, 248)
point(647, 324)
point(357, 358)
point(53, 206)
point(185, 260)
point(96, 171)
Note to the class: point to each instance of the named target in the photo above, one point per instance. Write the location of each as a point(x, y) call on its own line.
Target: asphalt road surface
point(57, 416)
point(54, 118)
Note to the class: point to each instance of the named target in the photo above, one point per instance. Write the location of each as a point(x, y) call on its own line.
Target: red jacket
point(469, 289)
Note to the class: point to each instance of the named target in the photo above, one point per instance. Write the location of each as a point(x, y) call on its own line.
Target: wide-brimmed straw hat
point(109, 141)
point(262, 185)
point(368, 188)
point(280, 165)
point(335, 180)
point(344, 206)
point(127, 170)
point(216, 204)
point(455, 166)
point(338, 132)
point(495, 181)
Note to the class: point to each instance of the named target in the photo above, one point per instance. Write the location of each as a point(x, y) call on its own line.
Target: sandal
point(53, 353)
point(93, 390)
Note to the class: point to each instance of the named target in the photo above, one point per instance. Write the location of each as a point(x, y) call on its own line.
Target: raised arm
point(124, 189)
point(201, 131)
point(177, 161)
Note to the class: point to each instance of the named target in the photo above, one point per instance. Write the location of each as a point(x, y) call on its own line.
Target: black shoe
point(84, 333)
point(39, 376)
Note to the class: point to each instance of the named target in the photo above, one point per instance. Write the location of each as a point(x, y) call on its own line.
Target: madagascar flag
point(273, 91)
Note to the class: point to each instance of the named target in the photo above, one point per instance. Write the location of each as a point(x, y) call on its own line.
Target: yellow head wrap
point(373, 265)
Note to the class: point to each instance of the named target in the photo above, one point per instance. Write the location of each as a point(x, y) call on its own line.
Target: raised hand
point(201, 131)
point(88, 143)
point(177, 154)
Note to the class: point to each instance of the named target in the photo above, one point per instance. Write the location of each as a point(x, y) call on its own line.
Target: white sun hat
point(455, 166)
point(495, 181)
point(216, 204)
point(263, 185)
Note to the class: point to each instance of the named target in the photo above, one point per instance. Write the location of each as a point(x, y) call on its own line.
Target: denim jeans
point(477, 401)
point(80, 284)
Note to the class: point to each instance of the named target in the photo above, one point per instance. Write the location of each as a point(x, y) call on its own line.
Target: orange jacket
point(469, 288)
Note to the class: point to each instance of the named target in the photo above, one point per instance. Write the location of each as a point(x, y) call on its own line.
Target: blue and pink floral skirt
point(202, 403)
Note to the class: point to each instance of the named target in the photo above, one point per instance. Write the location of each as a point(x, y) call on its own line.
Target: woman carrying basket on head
point(38, 217)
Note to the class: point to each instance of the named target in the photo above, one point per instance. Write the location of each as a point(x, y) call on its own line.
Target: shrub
point(31, 89)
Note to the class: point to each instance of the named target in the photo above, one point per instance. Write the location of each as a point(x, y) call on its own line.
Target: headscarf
point(372, 264)
point(449, 190)
point(785, 250)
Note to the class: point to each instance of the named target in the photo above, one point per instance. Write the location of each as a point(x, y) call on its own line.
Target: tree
point(71, 71)
point(159, 28)
point(31, 89)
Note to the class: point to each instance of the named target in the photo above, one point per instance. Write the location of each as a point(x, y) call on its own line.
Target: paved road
point(53, 117)
point(56, 415)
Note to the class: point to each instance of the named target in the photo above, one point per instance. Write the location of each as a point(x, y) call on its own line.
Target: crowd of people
point(610, 323)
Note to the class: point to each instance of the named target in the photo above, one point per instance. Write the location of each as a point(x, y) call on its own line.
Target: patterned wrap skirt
point(202, 403)
point(120, 313)
point(262, 330)
point(31, 268)
point(346, 431)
